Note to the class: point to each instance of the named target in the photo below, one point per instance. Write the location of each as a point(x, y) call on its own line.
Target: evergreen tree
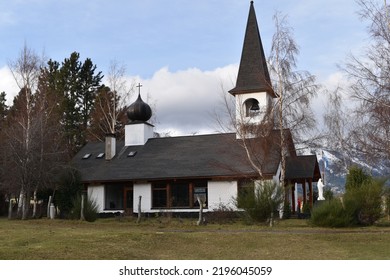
point(356, 177)
point(75, 83)
point(3, 109)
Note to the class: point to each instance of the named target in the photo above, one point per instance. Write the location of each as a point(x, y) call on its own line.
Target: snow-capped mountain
point(336, 167)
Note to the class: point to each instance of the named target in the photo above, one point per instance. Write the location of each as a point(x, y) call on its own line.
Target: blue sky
point(168, 45)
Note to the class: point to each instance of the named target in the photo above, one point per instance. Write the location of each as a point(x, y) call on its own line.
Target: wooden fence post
point(201, 202)
point(139, 209)
point(82, 208)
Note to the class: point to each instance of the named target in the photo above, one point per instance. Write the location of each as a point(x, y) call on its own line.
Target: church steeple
point(253, 75)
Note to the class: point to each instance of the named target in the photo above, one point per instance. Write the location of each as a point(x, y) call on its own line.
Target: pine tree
point(3, 108)
point(75, 85)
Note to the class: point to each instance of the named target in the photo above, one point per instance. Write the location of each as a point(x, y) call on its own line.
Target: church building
point(169, 174)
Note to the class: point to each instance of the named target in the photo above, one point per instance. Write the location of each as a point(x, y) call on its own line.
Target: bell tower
point(253, 91)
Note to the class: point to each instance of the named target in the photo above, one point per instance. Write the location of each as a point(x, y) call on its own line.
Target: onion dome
point(139, 111)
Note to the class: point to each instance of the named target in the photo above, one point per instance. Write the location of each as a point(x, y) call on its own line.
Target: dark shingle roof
point(302, 167)
point(201, 156)
point(253, 75)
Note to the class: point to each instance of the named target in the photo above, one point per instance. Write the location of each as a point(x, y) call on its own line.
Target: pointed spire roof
point(253, 75)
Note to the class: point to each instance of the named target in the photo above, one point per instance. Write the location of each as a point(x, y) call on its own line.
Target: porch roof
point(302, 167)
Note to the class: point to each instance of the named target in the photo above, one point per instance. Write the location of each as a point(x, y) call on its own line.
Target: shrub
point(90, 209)
point(69, 187)
point(330, 214)
point(263, 203)
point(356, 177)
point(387, 202)
point(222, 214)
point(328, 194)
point(287, 210)
point(364, 203)
point(306, 211)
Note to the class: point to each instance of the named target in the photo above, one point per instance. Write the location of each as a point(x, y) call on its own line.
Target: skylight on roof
point(132, 154)
point(86, 156)
point(101, 155)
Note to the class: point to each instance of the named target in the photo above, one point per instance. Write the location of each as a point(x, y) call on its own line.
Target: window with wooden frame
point(159, 195)
point(200, 189)
point(178, 194)
point(245, 190)
point(113, 197)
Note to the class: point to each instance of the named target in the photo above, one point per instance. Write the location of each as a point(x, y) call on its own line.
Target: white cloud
point(334, 81)
point(7, 84)
point(184, 101)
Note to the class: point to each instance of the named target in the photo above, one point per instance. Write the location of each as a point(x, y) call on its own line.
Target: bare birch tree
point(369, 75)
point(338, 126)
point(111, 102)
point(25, 70)
point(294, 88)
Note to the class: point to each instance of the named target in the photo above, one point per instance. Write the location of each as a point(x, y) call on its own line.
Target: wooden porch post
point(311, 192)
point(304, 191)
point(293, 199)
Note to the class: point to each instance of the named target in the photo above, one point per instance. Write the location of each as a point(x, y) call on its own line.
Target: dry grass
point(181, 239)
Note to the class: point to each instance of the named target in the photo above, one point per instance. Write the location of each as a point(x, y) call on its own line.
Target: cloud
point(7, 84)
point(184, 101)
point(334, 81)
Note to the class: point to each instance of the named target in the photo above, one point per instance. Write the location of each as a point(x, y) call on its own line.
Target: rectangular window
point(159, 195)
point(179, 194)
point(113, 197)
point(245, 192)
point(200, 189)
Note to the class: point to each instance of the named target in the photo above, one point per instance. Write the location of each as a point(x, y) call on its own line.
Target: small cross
point(139, 88)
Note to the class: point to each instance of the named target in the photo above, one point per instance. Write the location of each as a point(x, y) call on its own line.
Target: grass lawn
point(169, 239)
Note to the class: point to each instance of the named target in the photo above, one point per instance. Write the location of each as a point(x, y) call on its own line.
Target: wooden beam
point(311, 193)
point(191, 194)
point(293, 199)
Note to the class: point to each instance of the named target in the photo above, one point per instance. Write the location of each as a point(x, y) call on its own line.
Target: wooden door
point(128, 197)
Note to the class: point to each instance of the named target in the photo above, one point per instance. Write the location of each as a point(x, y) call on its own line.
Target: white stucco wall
point(261, 97)
point(138, 134)
point(221, 192)
point(96, 193)
point(144, 190)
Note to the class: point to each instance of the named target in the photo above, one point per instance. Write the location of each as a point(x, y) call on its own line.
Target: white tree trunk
point(10, 208)
point(25, 206)
point(20, 203)
point(34, 213)
point(48, 207)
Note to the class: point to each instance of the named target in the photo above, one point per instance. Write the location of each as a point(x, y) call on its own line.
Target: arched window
point(252, 107)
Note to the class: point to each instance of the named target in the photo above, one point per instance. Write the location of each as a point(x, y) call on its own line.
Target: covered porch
point(301, 173)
